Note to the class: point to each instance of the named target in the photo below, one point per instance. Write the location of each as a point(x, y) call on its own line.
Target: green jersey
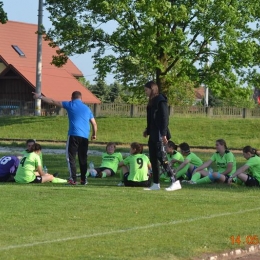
point(222, 161)
point(28, 165)
point(138, 165)
point(25, 153)
point(111, 161)
point(177, 156)
point(194, 159)
point(254, 167)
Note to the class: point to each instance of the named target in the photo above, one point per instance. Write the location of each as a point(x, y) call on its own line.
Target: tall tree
point(166, 40)
point(3, 14)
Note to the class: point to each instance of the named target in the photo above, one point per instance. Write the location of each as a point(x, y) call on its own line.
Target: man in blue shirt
point(79, 116)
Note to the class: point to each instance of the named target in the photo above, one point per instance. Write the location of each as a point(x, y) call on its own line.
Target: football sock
point(104, 175)
point(58, 180)
point(204, 180)
point(196, 176)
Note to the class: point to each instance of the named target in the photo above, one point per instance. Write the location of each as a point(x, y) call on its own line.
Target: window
point(18, 50)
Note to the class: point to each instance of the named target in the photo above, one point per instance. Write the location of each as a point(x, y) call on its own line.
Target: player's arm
point(240, 170)
point(229, 169)
point(183, 164)
point(121, 164)
point(47, 100)
point(203, 166)
point(94, 128)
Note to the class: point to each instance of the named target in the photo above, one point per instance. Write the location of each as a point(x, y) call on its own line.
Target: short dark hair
point(36, 147)
point(30, 141)
point(76, 95)
point(185, 147)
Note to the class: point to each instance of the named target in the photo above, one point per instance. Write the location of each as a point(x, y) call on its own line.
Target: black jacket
point(158, 118)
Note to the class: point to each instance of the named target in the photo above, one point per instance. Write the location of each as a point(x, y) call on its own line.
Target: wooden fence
point(20, 108)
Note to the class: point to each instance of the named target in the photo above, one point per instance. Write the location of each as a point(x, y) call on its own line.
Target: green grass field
point(196, 131)
point(103, 221)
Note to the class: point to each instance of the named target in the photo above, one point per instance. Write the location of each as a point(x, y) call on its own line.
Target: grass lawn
point(196, 131)
point(103, 221)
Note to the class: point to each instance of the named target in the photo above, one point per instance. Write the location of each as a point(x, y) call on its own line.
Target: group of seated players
point(135, 170)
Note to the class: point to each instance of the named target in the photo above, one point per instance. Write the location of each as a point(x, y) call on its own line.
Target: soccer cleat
point(192, 182)
point(175, 186)
point(55, 174)
point(84, 182)
point(120, 184)
point(185, 181)
point(155, 186)
point(71, 182)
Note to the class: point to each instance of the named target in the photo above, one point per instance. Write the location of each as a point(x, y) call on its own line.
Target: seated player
point(136, 167)
point(190, 163)
point(8, 167)
point(29, 144)
point(30, 169)
point(249, 173)
point(226, 166)
point(109, 163)
point(174, 157)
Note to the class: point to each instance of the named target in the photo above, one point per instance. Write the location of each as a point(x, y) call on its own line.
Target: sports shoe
point(175, 186)
point(55, 174)
point(184, 181)
point(155, 186)
point(192, 182)
point(84, 182)
point(71, 182)
point(120, 184)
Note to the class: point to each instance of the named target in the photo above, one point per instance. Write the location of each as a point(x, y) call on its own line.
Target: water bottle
point(45, 170)
point(210, 171)
point(92, 169)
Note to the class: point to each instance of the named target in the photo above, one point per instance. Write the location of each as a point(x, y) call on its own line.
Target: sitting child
point(136, 168)
point(30, 169)
point(109, 164)
point(174, 157)
point(8, 167)
point(190, 163)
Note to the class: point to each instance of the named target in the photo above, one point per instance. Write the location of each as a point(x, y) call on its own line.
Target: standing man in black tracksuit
point(157, 130)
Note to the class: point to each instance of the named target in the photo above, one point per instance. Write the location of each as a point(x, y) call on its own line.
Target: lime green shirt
point(111, 160)
point(177, 156)
point(28, 165)
point(25, 153)
point(222, 161)
point(254, 167)
point(194, 159)
point(138, 167)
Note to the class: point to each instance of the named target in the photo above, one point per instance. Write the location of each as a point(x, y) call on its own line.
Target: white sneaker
point(175, 186)
point(155, 186)
point(120, 184)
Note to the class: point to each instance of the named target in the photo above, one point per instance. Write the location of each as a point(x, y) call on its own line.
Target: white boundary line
point(127, 229)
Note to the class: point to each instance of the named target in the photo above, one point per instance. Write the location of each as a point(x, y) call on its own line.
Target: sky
point(27, 11)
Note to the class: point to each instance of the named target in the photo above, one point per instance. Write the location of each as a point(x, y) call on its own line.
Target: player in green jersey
point(174, 157)
point(136, 167)
point(226, 165)
point(190, 163)
point(252, 167)
point(109, 163)
point(30, 169)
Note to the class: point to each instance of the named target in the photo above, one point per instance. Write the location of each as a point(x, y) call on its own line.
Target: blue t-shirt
point(79, 115)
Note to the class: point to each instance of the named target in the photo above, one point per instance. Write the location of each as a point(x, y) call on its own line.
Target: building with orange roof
point(18, 55)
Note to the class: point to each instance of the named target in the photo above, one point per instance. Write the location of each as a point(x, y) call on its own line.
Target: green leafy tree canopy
point(165, 40)
point(3, 14)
